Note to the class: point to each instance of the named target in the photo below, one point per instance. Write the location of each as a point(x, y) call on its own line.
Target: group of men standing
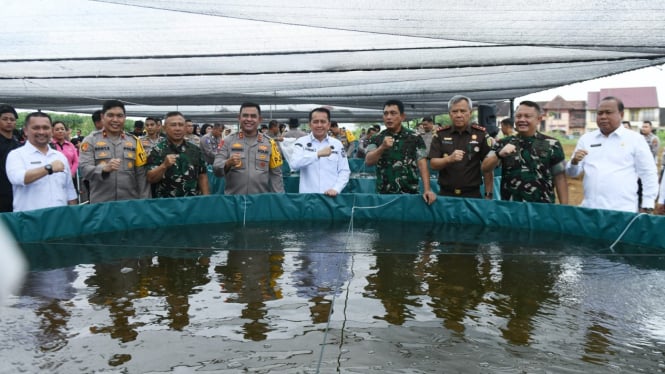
point(116, 166)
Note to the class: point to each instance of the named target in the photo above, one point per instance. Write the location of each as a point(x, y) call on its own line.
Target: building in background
point(640, 104)
point(564, 117)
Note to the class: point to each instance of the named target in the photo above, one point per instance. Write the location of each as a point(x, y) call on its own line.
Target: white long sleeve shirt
point(319, 174)
point(611, 169)
point(56, 189)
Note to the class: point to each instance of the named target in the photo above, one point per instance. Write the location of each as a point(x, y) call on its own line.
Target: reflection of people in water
point(323, 270)
point(527, 283)
point(455, 287)
point(251, 277)
point(51, 288)
point(394, 280)
point(114, 288)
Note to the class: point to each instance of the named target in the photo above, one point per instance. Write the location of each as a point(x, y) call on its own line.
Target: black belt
point(460, 190)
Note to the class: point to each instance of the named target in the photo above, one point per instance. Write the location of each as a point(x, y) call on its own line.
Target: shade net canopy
point(206, 57)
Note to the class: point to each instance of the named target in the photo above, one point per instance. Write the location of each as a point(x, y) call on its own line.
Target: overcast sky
point(648, 77)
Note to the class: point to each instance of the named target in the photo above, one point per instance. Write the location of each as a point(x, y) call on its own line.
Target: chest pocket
point(103, 154)
point(262, 158)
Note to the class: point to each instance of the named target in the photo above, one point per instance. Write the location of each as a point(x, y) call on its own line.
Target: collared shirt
point(148, 143)
point(254, 174)
point(129, 182)
point(210, 145)
point(476, 144)
point(319, 174)
point(611, 169)
point(397, 169)
point(70, 151)
point(56, 189)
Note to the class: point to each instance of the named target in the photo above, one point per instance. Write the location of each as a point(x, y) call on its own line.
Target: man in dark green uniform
point(176, 167)
point(457, 151)
point(532, 164)
point(397, 153)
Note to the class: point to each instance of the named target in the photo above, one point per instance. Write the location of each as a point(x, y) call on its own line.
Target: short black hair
point(249, 104)
point(96, 116)
point(173, 114)
point(333, 124)
point(322, 110)
point(37, 114)
point(273, 123)
point(139, 124)
point(531, 104)
point(398, 103)
point(108, 104)
point(619, 102)
point(507, 121)
point(4, 108)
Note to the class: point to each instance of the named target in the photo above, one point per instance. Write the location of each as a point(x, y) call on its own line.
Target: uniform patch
point(84, 147)
point(130, 165)
point(263, 147)
point(100, 144)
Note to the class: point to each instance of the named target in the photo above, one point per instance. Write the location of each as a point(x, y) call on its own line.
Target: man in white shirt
point(320, 158)
point(39, 175)
point(612, 158)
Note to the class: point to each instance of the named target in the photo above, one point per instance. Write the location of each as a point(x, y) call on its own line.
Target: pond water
point(308, 297)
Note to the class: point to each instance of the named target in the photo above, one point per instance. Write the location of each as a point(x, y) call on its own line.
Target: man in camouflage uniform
point(533, 164)
point(153, 134)
point(397, 153)
point(113, 161)
point(249, 161)
point(457, 151)
point(177, 167)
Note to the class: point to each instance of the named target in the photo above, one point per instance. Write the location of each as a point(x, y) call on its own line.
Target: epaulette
point(478, 127)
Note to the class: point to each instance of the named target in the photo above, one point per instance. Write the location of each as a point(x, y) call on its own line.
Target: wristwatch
point(49, 168)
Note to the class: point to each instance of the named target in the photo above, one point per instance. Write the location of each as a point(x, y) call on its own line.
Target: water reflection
point(483, 288)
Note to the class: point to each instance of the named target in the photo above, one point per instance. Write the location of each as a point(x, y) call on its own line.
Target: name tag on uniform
point(595, 145)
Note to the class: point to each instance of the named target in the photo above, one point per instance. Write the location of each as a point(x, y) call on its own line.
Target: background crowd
point(46, 165)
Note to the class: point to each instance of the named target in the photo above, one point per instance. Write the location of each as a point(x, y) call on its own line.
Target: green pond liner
point(73, 221)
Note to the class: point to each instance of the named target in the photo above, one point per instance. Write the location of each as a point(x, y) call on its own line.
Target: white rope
point(244, 211)
point(354, 207)
point(624, 230)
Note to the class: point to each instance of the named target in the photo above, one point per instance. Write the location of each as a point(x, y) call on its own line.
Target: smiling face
point(249, 119)
point(39, 131)
point(319, 124)
point(527, 120)
point(114, 121)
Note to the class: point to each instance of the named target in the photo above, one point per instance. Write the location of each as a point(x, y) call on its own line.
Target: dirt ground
point(575, 190)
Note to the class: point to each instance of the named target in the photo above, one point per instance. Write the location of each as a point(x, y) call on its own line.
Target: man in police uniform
point(177, 167)
point(532, 164)
point(250, 161)
point(457, 151)
point(112, 160)
point(397, 153)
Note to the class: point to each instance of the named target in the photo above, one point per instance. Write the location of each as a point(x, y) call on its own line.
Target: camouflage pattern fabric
point(181, 179)
point(397, 169)
point(528, 174)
